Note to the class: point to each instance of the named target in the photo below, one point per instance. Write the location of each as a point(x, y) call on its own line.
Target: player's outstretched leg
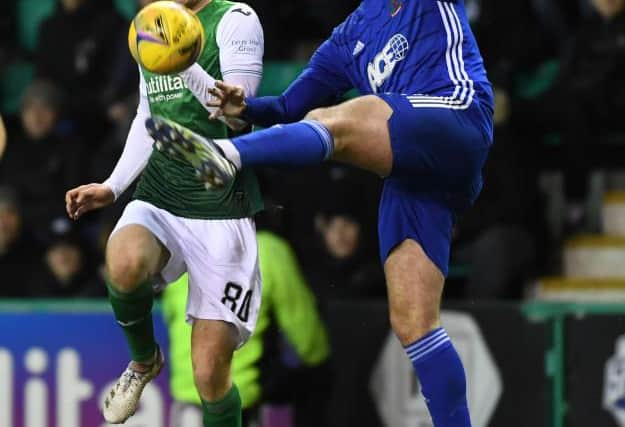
point(354, 132)
point(133, 256)
point(302, 143)
point(175, 140)
point(415, 287)
point(212, 345)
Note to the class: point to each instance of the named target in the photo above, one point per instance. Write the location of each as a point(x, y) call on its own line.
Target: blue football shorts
point(438, 155)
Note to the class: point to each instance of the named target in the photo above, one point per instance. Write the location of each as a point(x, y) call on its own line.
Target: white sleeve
point(199, 82)
point(137, 150)
point(241, 47)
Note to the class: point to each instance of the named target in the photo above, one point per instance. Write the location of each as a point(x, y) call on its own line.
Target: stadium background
point(536, 294)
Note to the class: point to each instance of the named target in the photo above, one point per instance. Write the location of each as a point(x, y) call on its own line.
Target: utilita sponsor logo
point(58, 388)
point(165, 88)
point(160, 84)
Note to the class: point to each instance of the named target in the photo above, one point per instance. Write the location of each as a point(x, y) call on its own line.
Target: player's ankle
point(143, 366)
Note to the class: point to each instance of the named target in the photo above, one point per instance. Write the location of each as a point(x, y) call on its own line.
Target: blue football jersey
point(422, 59)
point(421, 48)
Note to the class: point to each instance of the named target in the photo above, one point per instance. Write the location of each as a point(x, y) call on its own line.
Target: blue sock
point(298, 144)
point(442, 378)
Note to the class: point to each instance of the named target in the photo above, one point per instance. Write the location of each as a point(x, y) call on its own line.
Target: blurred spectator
point(8, 33)
point(67, 271)
point(510, 36)
point(19, 252)
point(588, 99)
point(3, 138)
point(317, 202)
point(105, 157)
point(294, 29)
point(495, 237)
point(38, 163)
point(559, 17)
point(347, 263)
point(82, 48)
point(303, 194)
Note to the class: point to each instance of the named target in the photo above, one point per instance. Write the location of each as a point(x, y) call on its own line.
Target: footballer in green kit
point(174, 225)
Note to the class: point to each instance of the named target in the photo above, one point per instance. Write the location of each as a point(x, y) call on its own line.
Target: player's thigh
point(360, 131)
point(415, 287)
point(134, 254)
point(213, 343)
point(144, 246)
point(136, 240)
point(437, 148)
point(224, 280)
point(415, 233)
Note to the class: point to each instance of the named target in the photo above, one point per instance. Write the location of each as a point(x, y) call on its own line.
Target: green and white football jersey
point(169, 183)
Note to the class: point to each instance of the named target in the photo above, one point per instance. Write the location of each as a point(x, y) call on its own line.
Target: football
point(165, 37)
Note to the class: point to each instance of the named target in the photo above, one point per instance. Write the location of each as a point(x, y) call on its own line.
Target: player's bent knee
point(410, 328)
point(336, 121)
point(410, 322)
point(318, 114)
point(127, 270)
point(211, 380)
point(331, 118)
point(414, 287)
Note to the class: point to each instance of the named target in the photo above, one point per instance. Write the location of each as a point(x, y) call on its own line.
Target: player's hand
point(229, 100)
point(86, 198)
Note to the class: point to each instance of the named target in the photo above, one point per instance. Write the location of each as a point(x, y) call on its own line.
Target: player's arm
point(241, 46)
point(200, 83)
point(320, 84)
point(133, 160)
point(137, 150)
point(241, 42)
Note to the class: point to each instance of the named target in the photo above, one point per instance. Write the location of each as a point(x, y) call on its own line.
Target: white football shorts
point(221, 257)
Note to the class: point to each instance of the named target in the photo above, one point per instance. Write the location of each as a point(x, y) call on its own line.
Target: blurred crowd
point(556, 65)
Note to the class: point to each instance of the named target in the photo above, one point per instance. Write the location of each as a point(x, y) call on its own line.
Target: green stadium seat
point(126, 8)
point(15, 79)
point(277, 76)
point(30, 14)
point(537, 82)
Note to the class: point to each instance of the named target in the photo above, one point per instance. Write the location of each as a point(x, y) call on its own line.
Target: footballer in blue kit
point(423, 122)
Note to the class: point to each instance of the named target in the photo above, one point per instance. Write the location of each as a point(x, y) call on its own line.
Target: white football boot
point(203, 154)
point(122, 400)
